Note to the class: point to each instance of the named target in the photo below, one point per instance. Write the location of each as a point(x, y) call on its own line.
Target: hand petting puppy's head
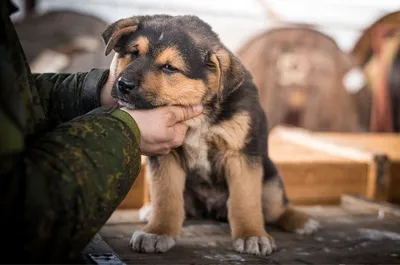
point(170, 60)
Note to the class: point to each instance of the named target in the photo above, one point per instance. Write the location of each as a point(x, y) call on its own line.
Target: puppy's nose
point(125, 85)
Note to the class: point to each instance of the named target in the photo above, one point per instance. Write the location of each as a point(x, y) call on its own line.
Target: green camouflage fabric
point(65, 162)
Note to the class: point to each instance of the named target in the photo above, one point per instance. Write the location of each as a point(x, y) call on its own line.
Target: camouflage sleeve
point(63, 188)
point(65, 96)
point(58, 184)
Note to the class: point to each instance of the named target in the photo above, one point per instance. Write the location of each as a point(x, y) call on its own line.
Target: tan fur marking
point(229, 64)
point(141, 44)
point(167, 185)
point(272, 201)
point(173, 57)
point(175, 89)
point(233, 132)
point(122, 63)
point(224, 60)
point(215, 79)
point(244, 204)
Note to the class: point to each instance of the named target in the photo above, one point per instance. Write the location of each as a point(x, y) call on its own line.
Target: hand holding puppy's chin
point(162, 128)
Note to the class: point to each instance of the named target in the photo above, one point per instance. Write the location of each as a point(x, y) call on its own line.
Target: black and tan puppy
point(222, 170)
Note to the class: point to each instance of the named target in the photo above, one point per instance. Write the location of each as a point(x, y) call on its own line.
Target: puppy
point(222, 170)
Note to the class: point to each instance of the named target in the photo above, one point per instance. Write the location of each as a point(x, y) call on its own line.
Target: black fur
point(205, 197)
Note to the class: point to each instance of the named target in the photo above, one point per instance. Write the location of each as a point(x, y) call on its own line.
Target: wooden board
point(318, 168)
point(346, 238)
point(317, 172)
point(383, 142)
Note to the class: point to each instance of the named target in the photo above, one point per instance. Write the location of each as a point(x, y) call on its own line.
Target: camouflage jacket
point(65, 162)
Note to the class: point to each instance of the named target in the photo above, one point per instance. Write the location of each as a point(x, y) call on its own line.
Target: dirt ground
point(346, 238)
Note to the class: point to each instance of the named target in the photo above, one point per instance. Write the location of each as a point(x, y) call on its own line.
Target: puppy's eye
point(169, 68)
point(135, 53)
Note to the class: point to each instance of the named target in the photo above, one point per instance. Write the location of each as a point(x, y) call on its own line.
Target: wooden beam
point(362, 204)
point(378, 180)
point(305, 138)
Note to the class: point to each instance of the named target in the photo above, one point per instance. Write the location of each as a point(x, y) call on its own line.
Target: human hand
point(105, 96)
point(162, 128)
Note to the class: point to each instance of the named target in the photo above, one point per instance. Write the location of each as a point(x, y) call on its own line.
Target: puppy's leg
point(277, 208)
point(146, 210)
point(167, 213)
point(244, 206)
point(145, 213)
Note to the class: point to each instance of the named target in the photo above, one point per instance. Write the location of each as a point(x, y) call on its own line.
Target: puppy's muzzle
point(125, 86)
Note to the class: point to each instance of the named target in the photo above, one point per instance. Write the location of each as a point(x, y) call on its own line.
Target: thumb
point(182, 113)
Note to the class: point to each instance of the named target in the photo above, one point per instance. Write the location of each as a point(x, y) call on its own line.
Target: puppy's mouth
point(128, 105)
point(132, 100)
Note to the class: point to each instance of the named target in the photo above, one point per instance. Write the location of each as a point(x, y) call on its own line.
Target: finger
point(165, 151)
point(181, 113)
point(180, 133)
point(156, 151)
point(177, 131)
point(162, 151)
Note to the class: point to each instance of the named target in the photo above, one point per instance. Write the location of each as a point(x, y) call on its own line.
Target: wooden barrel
point(299, 73)
point(63, 41)
point(377, 52)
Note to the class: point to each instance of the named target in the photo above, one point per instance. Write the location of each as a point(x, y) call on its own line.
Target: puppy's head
point(169, 60)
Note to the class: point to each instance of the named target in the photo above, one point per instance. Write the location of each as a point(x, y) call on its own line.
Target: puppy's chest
point(197, 152)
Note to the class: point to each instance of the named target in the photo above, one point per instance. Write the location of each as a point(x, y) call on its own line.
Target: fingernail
point(197, 108)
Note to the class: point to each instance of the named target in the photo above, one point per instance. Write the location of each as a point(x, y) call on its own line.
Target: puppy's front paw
point(256, 245)
point(150, 243)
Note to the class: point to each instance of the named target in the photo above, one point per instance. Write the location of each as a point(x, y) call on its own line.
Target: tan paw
point(150, 243)
point(256, 245)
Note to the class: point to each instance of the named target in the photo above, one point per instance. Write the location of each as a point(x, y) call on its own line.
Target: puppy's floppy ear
point(229, 71)
point(113, 33)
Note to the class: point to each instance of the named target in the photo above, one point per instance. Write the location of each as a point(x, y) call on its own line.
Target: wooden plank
point(305, 138)
point(359, 203)
point(387, 143)
point(283, 151)
point(378, 175)
point(324, 182)
point(346, 238)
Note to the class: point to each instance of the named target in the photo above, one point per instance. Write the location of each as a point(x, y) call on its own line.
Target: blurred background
point(328, 73)
point(324, 73)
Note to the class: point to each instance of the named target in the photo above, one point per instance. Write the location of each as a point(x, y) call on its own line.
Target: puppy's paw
point(256, 245)
point(145, 213)
point(150, 243)
point(309, 227)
